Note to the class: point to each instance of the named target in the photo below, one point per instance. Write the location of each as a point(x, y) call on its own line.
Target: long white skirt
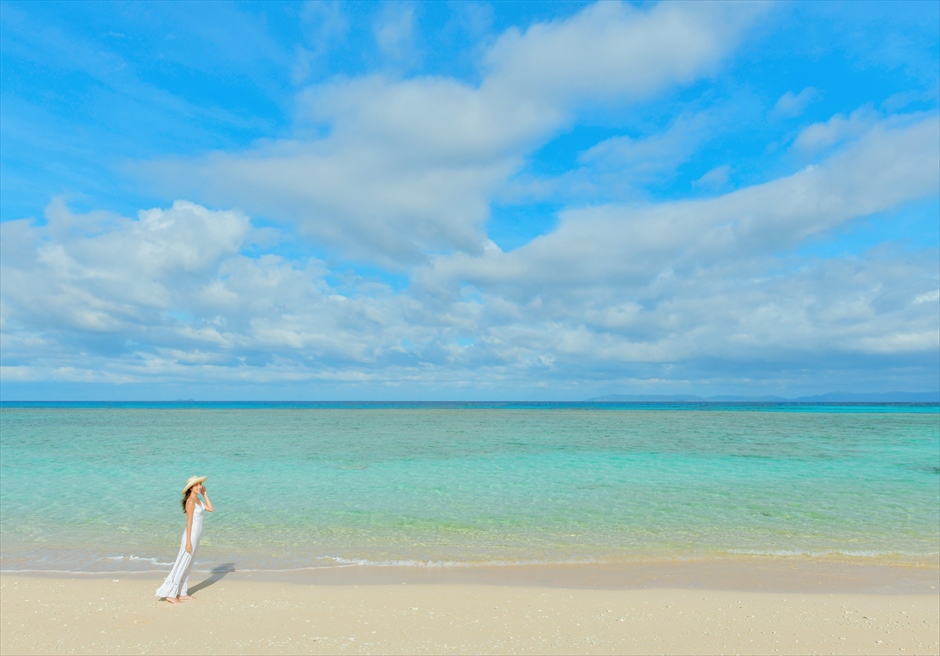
point(177, 581)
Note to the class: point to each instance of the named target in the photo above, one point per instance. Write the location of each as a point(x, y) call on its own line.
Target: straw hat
point(193, 480)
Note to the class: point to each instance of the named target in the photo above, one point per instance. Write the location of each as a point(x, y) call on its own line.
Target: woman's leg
point(184, 587)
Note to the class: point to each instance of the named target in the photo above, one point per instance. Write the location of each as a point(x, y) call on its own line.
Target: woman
point(176, 586)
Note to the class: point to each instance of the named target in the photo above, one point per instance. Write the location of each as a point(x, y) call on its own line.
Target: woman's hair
point(186, 498)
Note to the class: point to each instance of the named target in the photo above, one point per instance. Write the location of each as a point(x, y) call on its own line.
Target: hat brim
point(199, 480)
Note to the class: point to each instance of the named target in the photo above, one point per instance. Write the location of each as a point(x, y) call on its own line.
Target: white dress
point(177, 581)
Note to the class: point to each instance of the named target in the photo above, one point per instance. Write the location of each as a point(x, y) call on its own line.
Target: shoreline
point(238, 614)
point(743, 574)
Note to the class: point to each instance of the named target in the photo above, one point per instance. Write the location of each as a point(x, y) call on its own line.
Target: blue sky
point(524, 201)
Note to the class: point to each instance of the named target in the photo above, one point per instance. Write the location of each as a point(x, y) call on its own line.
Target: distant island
point(831, 397)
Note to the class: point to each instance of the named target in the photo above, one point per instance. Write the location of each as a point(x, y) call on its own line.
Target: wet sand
point(778, 607)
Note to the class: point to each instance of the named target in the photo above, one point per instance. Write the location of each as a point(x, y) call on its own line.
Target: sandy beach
point(240, 613)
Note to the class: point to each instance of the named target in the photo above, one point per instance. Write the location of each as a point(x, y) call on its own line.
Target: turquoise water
point(94, 488)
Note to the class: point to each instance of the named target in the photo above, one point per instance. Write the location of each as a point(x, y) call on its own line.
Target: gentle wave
point(788, 553)
point(339, 562)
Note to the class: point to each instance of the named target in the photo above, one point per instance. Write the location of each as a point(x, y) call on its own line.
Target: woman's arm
point(190, 504)
point(205, 497)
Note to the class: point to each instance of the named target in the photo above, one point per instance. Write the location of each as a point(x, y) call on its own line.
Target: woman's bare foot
point(172, 600)
point(186, 597)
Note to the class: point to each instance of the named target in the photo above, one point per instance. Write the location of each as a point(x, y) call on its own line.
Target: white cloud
point(611, 49)
point(105, 274)
point(171, 291)
point(409, 166)
point(402, 172)
point(632, 245)
point(626, 167)
point(323, 22)
point(174, 296)
point(716, 177)
point(836, 130)
point(395, 33)
point(928, 297)
point(650, 157)
point(793, 104)
point(898, 101)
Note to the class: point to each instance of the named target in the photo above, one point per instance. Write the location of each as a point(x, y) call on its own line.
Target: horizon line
point(593, 401)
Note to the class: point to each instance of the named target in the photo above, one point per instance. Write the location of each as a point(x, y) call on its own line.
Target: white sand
point(236, 615)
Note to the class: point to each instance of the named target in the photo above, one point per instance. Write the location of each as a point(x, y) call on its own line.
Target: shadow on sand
point(217, 574)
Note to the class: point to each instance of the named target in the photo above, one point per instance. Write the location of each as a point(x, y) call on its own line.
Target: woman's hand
point(189, 547)
point(205, 497)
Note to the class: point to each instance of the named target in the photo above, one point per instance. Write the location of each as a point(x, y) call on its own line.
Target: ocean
point(96, 487)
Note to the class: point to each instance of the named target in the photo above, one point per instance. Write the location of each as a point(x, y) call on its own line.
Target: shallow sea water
point(97, 487)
